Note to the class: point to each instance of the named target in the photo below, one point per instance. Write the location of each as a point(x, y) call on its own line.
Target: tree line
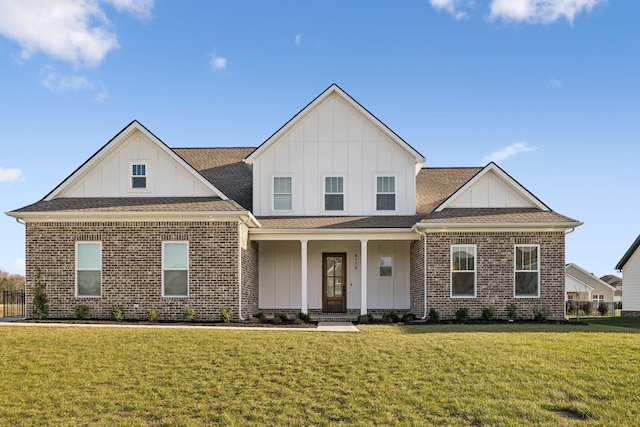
point(11, 282)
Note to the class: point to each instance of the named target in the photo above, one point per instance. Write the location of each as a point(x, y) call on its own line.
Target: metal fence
point(593, 309)
point(12, 304)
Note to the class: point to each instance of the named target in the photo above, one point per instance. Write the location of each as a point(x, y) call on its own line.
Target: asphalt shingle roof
point(133, 204)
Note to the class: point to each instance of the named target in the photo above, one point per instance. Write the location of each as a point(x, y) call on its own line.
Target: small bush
point(512, 312)
point(259, 316)
point(541, 314)
point(434, 315)
point(408, 317)
point(190, 314)
point(226, 314)
point(117, 313)
point(365, 318)
point(391, 317)
point(603, 309)
point(152, 314)
point(283, 317)
point(462, 314)
point(254, 320)
point(298, 321)
point(40, 299)
point(488, 313)
point(82, 312)
point(304, 317)
point(587, 308)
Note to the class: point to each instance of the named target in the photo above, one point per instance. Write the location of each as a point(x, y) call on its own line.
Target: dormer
point(334, 158)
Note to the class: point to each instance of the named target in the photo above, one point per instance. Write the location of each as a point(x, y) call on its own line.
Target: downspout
point(424, 236)
point(20, 221)
point(240, 224)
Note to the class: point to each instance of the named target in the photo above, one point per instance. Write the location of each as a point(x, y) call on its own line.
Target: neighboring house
point(616, 282)
point(333, 215)
point(580, 285)
point(629, 265)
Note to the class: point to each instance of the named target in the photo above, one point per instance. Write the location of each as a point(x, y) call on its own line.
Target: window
point(597, 298)
point(333, 193)
point(386, 266)
point(527, 271)
point(282, 193)
point(570, 297)
point(386, 193)
point(139, 175)
point(175, 269)
point(463, 271)
point(88, 269)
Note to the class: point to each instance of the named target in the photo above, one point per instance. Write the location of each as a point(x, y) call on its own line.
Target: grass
point(461, 375)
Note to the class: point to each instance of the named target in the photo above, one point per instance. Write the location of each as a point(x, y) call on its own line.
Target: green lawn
point(460, 375)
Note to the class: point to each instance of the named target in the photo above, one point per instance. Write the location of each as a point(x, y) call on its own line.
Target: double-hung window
point(175, 269)
point(282, 196)
point(333, 193)
point(386, 193)
point(386, 266)
point(463, 271)
point(597, 298)
point(527, 271)
point(138, 176)
point(88, 269)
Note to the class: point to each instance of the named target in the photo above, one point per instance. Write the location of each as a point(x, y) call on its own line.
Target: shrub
point(82, 312)
point(603, 309)
point(512, 312)
point(488, 313)
point(298, 321)
point(408, 317)
point(587, 307)
point(190, 314)
point(258, 316)
point(226, 314)
point(434, 315)
point(40, 299)
point(365, 318)
point(541, 314)
point(117, 313)
point(254, 320)
point(391, 317)
point(304, 317)
point(462, 314)
point(152, 314)
point(283, 317)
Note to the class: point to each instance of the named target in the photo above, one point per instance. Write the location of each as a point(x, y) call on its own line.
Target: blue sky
point(548, 89)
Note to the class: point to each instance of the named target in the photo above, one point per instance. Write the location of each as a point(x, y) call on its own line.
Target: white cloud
point(10, 175)
point(218, 62)
point(540, 11)
point(450, 6)
point(556, 83)
point(20, 265)
point(509, 151)
point(61, 83)
point(102, 94)
point(75, 31)
point(298, 39)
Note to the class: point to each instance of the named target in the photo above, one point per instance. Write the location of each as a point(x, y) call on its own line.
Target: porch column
point(363, 276)
point(303, 279)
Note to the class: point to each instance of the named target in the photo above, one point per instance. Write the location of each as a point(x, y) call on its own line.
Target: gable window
point(386, 266)
point(597, 298)
point(175, 269)
point(463, 271)
point(386, 193)
point(282, 197)
point(527, 271)
point(88, 269)
point(333, 193)
point(138, 175)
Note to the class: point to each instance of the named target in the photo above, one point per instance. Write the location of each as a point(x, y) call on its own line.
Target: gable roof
point(585, 277)
point(614, 281)
point(334, 89)
point(113, 143)
point(494, 168)
point(628, 254)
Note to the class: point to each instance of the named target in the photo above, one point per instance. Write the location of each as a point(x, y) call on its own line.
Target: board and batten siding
point(111, 177)
point(490, 191)
point(334, 139)
point(280, 272)
point(631, 283)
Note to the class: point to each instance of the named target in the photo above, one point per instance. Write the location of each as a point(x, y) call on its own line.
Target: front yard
point(462, 375)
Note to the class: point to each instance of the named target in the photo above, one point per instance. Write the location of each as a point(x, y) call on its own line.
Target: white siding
point(111, 176)
point(388, 292)
point(631, 283)
point(490, 191)
point(334, 139)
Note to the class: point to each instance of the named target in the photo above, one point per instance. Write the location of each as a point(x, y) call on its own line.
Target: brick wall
point(495, 273)
point(249, 252)
point(132, 267)
point(416, 277)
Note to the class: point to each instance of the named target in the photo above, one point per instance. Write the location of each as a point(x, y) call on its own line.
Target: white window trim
point(375, 193)
point(475, 271)
point(323, 192)
point(176, 269)
point(76, 269)
point(393, 266)
point(593, 298)
point(515, 247)
point(147, 188)
point(272, 194)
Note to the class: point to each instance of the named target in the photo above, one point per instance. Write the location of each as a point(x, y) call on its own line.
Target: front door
point(334, 282)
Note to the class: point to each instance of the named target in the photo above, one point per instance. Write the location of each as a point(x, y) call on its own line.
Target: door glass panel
point(330, 292)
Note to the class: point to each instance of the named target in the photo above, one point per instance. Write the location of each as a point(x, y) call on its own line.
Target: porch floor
point(333, 317)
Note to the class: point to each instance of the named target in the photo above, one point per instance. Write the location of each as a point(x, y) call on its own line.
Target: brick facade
point(132, 267)
point(495, 273)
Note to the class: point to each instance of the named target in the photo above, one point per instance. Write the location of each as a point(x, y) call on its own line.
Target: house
point(333, 215)
point(629, 265)
point(582, 286)
point(616, 282)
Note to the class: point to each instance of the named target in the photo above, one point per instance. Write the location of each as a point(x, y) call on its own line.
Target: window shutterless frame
point(385, 266)
point(463, 271)
point(282, 193)
point(139, 176)
point(333, 193)
point(175, 269)
point(89, 269)
point(385, 192)
point(526, 275)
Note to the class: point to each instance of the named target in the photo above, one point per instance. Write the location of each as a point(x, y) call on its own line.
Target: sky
point(548, 89)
